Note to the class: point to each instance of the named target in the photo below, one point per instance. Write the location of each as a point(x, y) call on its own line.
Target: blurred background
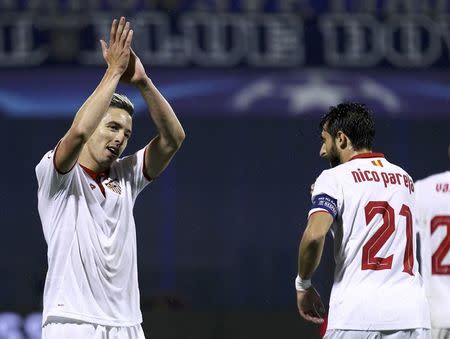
point(218, 232)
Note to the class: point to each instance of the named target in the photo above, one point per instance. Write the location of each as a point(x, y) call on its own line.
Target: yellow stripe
point(377, 163)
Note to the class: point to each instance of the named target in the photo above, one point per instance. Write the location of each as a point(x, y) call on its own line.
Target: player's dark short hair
point(354, 119)
point(121, 101)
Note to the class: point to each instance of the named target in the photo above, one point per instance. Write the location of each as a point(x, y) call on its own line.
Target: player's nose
point(323, 151)
point(120, 138)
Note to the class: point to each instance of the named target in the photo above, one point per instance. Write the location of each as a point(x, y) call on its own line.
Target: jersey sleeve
point(326, 195)
point(50, 180)
point(133, 169)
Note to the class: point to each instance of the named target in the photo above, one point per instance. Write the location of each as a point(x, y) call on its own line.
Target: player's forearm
point(94, 108)
point(310, 253)
point(311, 246)
point(169, 128)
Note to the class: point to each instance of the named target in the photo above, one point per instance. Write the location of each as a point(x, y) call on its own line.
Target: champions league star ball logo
point(302, 92)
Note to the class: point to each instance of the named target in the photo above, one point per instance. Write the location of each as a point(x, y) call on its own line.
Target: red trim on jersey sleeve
point(54, 159)
point(144, 169)
point(367, 155)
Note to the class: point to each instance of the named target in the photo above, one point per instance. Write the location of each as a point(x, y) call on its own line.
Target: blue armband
point(325, 202)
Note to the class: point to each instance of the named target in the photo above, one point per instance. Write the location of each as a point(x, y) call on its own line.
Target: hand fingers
point(315, 320)
point(124, 35)
point(112, 34)
point(104, 48)
point(310, 316)
point(319, 309)
point(302, 313)
point(128, 41)
point(119, 29)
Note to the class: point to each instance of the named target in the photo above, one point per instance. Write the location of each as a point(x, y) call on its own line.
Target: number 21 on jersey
point(386, 230)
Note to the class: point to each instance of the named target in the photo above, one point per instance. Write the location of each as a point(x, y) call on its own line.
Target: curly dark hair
point(354, 119)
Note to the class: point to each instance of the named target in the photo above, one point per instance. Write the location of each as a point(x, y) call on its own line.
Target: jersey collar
point(94, 175)
point(367, 155)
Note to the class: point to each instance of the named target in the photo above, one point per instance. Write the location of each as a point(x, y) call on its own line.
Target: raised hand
point(310, 305)
point(135, 72)
point(117, 54)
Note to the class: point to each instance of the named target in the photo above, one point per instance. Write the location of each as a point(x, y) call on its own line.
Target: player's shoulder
point(46, 160)
point(48, 155)
point(129, 162)
point(329, 178)
point(389, 166)
point(433, 178)
point(126, 159)
point(328, 173)
point(336, 173)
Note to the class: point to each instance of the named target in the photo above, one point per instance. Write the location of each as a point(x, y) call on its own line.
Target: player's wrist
point(114, 71)
point(144, 84)
point(302, 284)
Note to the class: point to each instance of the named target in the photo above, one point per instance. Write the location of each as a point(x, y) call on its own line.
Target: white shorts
point(440, 333)
point(418, 333)
point(58, 328)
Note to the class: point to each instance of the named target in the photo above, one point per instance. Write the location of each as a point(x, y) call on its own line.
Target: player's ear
point(341, 140)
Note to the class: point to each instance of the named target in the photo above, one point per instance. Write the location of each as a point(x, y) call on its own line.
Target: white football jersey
point(433, 219)
point(376, 281)
point(89, 228)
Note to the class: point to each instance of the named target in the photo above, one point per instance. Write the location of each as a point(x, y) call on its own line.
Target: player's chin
point(109, 156)
point(107, 160)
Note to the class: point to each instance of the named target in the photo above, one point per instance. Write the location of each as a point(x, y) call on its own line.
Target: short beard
point(333, 157)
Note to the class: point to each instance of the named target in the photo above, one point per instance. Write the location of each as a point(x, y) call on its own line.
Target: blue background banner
point(58, 92)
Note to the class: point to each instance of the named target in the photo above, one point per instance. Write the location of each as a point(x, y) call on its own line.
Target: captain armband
point(325, 202)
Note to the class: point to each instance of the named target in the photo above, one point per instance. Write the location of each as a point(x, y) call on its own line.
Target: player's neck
point(86, 160)
point(348, 153)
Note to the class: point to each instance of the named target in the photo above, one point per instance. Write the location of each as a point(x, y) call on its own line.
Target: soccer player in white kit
point(433, 220)
point(86, 196)
point(368, 203)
